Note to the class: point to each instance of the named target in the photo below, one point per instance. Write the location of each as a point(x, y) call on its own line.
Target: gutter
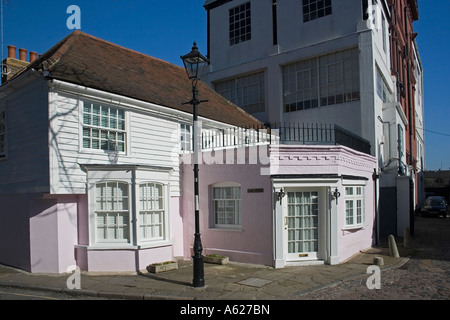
point(130, 103)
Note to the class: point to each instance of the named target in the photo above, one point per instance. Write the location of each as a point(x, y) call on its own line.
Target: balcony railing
point(287, 133)
point(320, 134)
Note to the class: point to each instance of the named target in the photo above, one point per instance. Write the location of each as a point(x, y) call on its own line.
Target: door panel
point(302, 224)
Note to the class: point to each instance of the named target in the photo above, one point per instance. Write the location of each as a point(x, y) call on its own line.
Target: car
point(434, 205)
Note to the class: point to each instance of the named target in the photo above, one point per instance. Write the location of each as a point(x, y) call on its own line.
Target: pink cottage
point(96, 171)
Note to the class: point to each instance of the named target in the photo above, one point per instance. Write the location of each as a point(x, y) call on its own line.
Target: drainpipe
point(375, 178)
point(411, 156)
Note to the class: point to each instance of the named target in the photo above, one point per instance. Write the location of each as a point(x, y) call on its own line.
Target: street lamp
point(195, 64)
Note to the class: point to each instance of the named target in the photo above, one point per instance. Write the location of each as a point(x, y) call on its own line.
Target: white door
point(301, 224)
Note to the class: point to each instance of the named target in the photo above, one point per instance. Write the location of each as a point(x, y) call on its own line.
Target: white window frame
point(357, 205)
point(146, 210)
point(107, 133)
point(186, 142)
point(134, 178)
point(324, 90)
point(383, 91)
point(237, 215)
point(113, 212)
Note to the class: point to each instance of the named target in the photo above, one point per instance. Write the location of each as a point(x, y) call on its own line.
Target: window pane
point(227, 205)
point(354, 206)
point(313, 9)
point(152, 215)
point(349, 191)
point(105, 126)
point(112, 211)
point(247, 92)
point(240, 23)
point(349, 212)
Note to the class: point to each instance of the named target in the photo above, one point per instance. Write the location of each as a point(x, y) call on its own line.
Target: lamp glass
point(195, 63)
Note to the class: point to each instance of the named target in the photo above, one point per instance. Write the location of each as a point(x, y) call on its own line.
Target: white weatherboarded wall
point(152, 140)
point(25, 168)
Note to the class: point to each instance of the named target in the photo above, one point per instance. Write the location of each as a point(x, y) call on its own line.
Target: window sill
point(101, 151)
point(235, 229)
point(353, 228)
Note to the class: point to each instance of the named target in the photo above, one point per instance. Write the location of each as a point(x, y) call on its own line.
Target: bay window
point(128, 206)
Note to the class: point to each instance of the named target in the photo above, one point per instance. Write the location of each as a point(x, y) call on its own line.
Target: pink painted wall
point(253, 243)
point(121, 260)
point(341, 161)
point(38, 234)
point(14, 231)
point(353, 241)
point(53, 233)
point(176, 227)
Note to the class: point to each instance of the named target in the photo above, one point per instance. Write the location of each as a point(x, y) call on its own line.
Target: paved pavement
point(245, 282)
point(234, 281)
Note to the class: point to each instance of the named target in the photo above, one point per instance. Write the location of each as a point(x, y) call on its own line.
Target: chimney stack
point(33, 56)
point(23, 55)
point(12, 52)
point(14, 65)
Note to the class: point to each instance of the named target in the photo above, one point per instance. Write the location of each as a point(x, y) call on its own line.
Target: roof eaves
point(211, 4)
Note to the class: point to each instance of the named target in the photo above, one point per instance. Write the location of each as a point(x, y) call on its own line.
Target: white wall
point(297, 41)
point(151, 140)
point(25, 169)
point(293, 33)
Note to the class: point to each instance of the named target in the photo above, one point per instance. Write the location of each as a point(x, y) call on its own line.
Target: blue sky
point(166, 29)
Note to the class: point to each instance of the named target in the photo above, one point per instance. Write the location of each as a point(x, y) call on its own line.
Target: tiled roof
point(95, 63)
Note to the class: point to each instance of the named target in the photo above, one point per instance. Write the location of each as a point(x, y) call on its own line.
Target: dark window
point(240, 24)
point(314, 9)
point(274, 22)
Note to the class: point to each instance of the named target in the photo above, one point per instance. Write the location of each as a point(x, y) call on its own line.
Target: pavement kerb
point(143, 296)
point(92, 293)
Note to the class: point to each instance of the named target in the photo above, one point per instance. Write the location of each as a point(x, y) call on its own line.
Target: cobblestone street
point(426, 276)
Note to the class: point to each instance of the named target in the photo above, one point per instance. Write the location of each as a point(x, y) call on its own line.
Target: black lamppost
point(195, 64)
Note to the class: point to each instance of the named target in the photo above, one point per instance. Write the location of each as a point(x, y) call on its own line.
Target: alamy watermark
point(229, 146)
point(74, 20)
point(74, 281)
point(375, 17)
point(374, 281)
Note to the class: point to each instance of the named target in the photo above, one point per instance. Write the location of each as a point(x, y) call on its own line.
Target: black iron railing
point(320, 134)
point(286, 133)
